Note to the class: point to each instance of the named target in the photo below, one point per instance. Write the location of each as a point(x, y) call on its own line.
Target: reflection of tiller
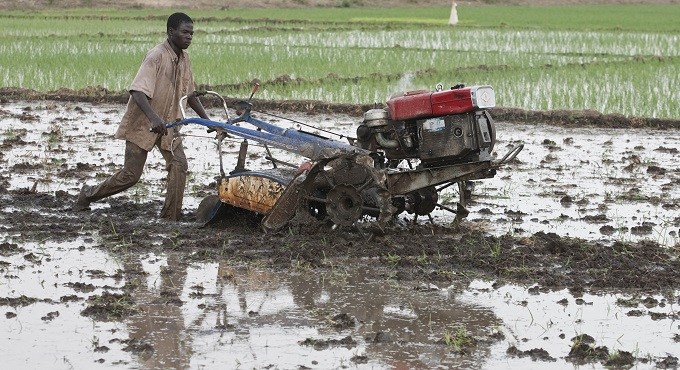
point(402, 158)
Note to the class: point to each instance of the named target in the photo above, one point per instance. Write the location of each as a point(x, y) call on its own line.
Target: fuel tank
point(426, 104)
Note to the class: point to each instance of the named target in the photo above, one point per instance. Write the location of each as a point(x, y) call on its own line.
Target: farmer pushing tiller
point(403, 156)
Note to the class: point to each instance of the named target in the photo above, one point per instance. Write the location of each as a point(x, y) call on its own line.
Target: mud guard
point(286, 206)
point(210, 209)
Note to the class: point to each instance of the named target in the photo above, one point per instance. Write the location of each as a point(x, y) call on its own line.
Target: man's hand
point(158, 126)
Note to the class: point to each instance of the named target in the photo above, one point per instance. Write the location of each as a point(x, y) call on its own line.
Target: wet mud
point(119, 266)
point(565, 118)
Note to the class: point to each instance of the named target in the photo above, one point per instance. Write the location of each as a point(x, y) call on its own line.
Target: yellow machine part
point(254, 193)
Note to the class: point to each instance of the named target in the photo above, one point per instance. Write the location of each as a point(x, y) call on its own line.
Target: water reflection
point(157, 333)
point(51, 333)
point(257, 318)
point(222, 315)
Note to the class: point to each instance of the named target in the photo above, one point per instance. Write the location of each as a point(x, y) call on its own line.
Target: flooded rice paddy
point(117, 288)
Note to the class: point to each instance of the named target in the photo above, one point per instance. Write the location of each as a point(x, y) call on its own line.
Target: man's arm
point(157, 125)
point(197, 106)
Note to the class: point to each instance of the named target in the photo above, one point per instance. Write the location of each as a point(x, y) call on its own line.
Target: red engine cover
point(451, 102)
point(424, 104)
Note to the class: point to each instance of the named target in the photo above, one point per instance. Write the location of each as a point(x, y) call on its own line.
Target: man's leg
point(177, 166)
point(135, 157)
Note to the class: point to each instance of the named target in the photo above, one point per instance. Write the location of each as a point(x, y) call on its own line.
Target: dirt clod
point(343, 321)
point(536, 354)
point(109, 306)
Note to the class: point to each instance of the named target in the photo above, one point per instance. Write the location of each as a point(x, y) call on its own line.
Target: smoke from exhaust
point(405, 83)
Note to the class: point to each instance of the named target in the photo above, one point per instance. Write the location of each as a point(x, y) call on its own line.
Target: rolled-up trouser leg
point(135, 158)
point(177, 166)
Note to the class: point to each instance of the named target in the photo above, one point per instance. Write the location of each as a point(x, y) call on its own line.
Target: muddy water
point(596, 184)
point(589, 183)
point(609, 184)
point(221, 315)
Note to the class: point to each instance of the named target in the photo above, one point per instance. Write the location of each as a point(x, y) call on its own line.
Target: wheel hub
point(422, 201)
point(344, 205)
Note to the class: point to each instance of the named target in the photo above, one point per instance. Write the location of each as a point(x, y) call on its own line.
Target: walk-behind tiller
point(401, 159)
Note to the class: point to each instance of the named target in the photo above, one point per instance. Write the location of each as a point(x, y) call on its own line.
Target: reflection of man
point(163, 78)
point(226, 272)
point(160, 322)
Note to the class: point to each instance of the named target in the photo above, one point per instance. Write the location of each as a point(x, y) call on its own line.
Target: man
point(163, 78)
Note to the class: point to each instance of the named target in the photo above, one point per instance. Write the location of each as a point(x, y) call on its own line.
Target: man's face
point(182, 35)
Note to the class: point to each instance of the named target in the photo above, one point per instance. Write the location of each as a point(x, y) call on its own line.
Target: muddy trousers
point(135, 158)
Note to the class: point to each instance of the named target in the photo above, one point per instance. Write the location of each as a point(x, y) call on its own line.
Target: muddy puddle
point(528, 280)
point(70, 305)
point(582, 182)
point(588, 183)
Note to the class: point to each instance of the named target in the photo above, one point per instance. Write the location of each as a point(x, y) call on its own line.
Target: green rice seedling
point(54, 135)
point(10, 134)
point(636, 17)
point(495, 248)
point(446, 274)
point(612, 59)
point(300, 265)
point(423, 259)
point(393, 258)
point(460, 340)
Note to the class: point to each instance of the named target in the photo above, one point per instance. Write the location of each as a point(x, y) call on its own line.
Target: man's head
point(180, 30)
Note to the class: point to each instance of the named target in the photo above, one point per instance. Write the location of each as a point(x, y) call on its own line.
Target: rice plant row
point(632, 73)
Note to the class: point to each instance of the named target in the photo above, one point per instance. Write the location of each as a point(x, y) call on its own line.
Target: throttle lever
point(244, 106)
point(255, 87)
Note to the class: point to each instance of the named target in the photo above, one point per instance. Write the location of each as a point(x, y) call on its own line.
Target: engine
point(439, 128)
